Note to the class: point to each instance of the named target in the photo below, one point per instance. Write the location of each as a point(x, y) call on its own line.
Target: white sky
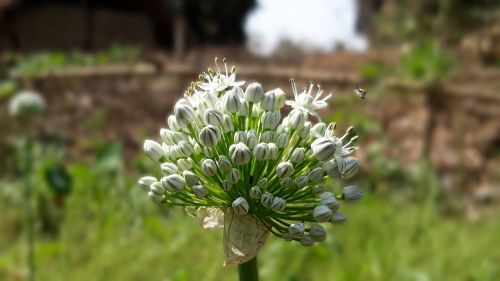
point(318, 25)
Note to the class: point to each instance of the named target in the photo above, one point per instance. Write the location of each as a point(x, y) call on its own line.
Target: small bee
point(361, 93)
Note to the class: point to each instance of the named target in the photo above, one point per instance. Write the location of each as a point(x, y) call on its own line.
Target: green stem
point(29, 209)
point(248, 270)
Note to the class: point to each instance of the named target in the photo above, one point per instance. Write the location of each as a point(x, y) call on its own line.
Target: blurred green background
point(110, 71)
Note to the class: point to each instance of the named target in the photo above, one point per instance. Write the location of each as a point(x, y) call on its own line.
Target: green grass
point(112, 232)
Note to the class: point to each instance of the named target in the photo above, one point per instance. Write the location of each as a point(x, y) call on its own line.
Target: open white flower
point(306, 101)
point(217, 81)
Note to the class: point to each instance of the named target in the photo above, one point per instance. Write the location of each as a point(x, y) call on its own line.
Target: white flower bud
point(155, 197)
point(296, 119)
point(251, 140)
point(287, 182)
point(197, 148)
point(316, 175)
point(282, 141)
point(268, 102)
point(213, 117)
point(153, 150)
point(331, 202)
point(233, 176)
point(210, 136)
point(330, 167)
point(317, 233)
point(267, 136)
point(191, 178)
point(322, 213)
point(227, 124)
point(273, 152)
point(318, 129)
point(305, 131)
point(243, 109)
point(172, 137)
point(281, 129)
point(324, 149)
point(240, 154)
point(280, 98)
point(340, 163)
point(301, 181)
point(318, 189)
point(208, 152)
point(260, 151)
point(284, 169)
point(240, 205)
point(296, 230)
point(172, 123)
point(255, 192)
point(231, 102)
point(307, 241)
point(254, 92)
point(266, 199)
point(224, 163)
point(297, 156)
point(184, 114)
point(146, 181)
point(352, 193)
point(186, 148)
point(278, 205)
point(350, 167)
point(338, 218)
point(226, 185)
point(185, 164)
point(173, 183)
point(325, 194)
point(209, 167)
point(26, 103)
point(270, 119)
point(168, 168)
point(157, 188)
point(200, 191)
point(240, 137)
point(262, 183)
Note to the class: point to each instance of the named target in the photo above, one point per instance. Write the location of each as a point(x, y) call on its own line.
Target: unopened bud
point(322, 213)
point(210, 136)
point(146, 181)
point(153, 150)
point(297, 156)
point(254, 92)
point(209, 167)
point(338, 218)
point(200, 191)
point(317, 233)
point(324, 149)
point(168, 169)
point(266, 199)
point(284, 169)
point(255, 192)
point(316, 175)
point(240, 205)
point(296, 230)
point(240, 153)
point(173, 183)
point(278, 205)
point(224, 163)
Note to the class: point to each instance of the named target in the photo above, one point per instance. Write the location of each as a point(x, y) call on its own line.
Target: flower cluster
point(228, 152)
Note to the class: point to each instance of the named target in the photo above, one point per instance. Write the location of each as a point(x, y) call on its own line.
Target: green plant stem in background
point(248, 270)
point(30, 235)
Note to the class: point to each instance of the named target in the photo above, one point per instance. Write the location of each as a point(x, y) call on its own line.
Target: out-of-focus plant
point(234, 163)
point(426, 62)
point(26, 65)
point(25, 105)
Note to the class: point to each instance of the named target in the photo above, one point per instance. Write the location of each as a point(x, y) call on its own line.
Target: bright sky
point(318, 25)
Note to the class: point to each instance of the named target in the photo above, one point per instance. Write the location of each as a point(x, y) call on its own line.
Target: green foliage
point(427, 62)
point(26, 65)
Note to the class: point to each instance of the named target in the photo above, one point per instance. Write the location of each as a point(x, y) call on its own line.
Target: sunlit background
point(109, 72)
